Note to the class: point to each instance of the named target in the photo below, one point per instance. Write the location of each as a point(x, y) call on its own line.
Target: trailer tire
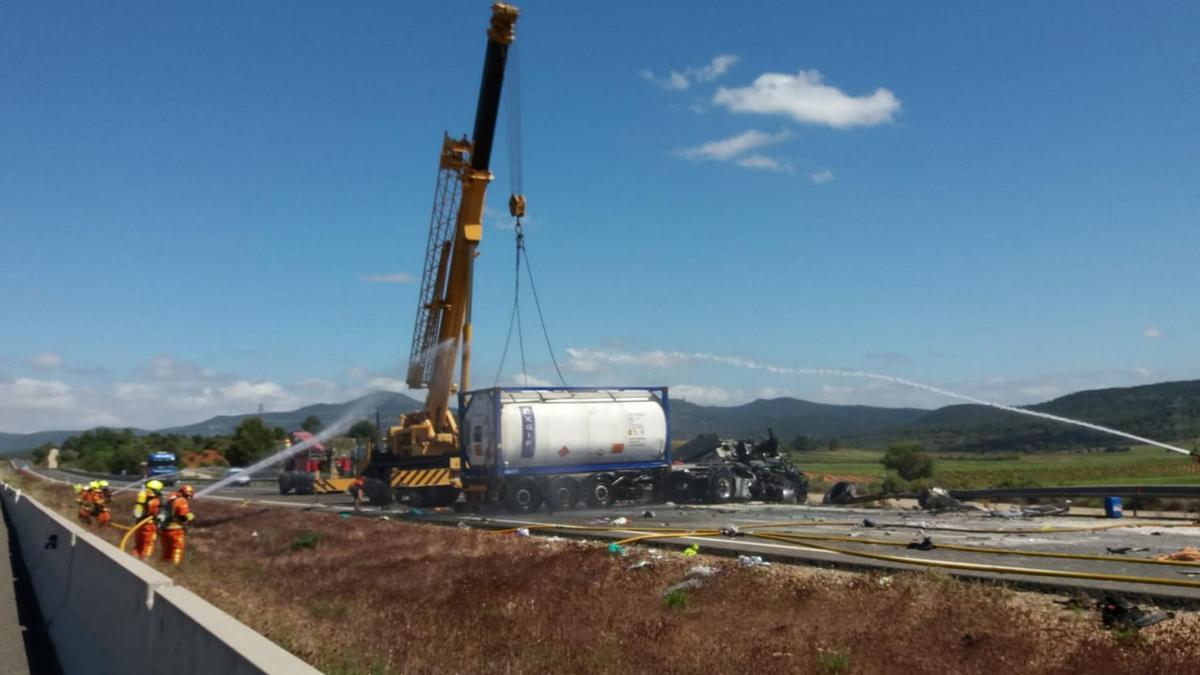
point(679, 487)
point(721, 487)
point(377, 492)
point(599, 493)
point(562, 493)
point(523, 497)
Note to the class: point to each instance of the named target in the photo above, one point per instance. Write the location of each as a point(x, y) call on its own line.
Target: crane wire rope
point(516, 187)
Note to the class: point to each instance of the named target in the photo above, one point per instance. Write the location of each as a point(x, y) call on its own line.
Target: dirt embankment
point(353, 595)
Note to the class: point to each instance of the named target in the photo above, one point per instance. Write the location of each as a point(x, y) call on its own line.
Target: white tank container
point(546, 431)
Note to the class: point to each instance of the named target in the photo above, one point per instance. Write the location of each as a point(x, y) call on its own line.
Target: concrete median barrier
point(110, 613)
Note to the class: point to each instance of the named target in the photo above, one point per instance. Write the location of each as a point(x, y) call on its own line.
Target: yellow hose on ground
point(133, 529)
point(996, 569)
point(804, 538)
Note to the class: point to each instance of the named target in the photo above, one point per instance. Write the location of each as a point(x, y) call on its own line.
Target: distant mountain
point(788, 417)
point(389, 405)
point(1163, 411)
point(16, 443)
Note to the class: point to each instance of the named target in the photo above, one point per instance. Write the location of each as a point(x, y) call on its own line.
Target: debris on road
point(1188, 554)
point(702, 571)
point(938, 499)
point(842, 492)
point(1116, 612)
point(691, 550)
point(1122, 550)
point(925, 544)
point(522, 532)
point(617, 549)
point(752, 561)
point(687, 585)
point(867, 522)
point(640, 565)
point(732, 530)
point(648, 514)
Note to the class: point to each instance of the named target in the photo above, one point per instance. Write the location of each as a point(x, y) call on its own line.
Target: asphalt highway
point(839, 536)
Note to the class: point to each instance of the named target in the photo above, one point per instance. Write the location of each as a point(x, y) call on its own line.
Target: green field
point(1145, 465)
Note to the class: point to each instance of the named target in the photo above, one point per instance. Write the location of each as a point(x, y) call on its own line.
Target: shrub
point(833, 661)
point(892, 483)
point(677, 599)
point(307, 540)
point(909, 460)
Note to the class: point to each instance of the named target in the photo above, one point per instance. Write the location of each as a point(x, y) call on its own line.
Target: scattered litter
point(617, 549)
point(867, 522)
point(701, 571)
point(414, 511)
point(691, 550)
point(1116, 612)
point(842, 492)
point(619, 521)
point(640, 565)
point(937, 499)
point(925, 544)
point(669, 504)
point(1156, 534)
point(855, 534)
point(1188, 554)
point(1121, 550)
point(732, 530)
point(884, 582)
point(1190, 573)
point(344, 515)
point(254, 533)
point(553, 539)
point(384, 518)
point(522, 532)
point(463, 526)
point(684, 586)
point(752, 561)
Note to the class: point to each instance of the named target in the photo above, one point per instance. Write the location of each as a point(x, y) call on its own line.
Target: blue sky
point(995, 197)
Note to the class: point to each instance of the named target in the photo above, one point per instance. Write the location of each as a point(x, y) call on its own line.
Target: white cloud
point(32, 394)
point(729, 148)
point(806, 98)
point(521, 380)
point(674, 81)
point(757, 161)
point(720, 65)
point(46, 361)
point(1152, 333)
point(706, 395)
point(821, 177)
point(389, 278)
point(1142, 372)
point(678, 81)
point(600, 360)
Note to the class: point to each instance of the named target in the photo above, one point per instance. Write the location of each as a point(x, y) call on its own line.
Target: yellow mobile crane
point(421, 461)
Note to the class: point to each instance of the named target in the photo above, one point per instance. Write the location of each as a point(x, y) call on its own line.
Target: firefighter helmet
point(187, 491)
point(154, 486)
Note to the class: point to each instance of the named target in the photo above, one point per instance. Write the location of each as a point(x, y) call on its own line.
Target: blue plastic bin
point(1112, 507)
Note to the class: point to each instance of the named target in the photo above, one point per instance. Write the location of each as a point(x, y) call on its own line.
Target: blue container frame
point(464, 403)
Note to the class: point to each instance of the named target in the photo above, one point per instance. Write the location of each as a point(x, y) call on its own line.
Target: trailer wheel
point(562, 493)
point(523, 497)
point(600, 493)
point(378, 493)
point(721, 487)
point(679, 487)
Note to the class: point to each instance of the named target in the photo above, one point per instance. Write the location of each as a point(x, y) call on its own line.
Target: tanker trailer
point(527, 446)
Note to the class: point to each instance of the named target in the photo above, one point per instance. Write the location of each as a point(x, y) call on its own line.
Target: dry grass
point(356, 596)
